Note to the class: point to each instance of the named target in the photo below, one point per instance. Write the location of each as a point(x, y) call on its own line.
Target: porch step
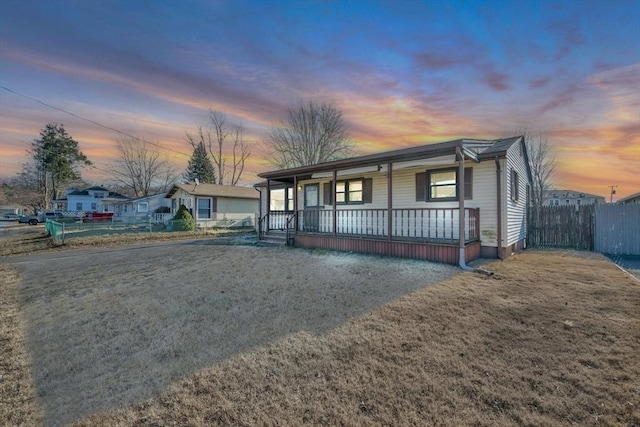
point(273, 238)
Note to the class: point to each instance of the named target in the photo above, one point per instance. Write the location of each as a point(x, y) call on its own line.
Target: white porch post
point(389, 201)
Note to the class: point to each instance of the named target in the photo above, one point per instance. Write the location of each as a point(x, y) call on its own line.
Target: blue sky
point(403, 72)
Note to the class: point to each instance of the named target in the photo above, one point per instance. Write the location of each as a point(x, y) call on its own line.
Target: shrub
point(183, 221)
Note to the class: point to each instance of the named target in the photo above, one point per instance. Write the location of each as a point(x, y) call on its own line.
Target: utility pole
point(613, 191)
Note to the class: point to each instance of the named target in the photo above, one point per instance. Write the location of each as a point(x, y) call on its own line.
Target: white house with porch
point(407, 202)
point(92, 199)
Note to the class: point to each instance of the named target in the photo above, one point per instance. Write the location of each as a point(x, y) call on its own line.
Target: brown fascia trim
point(405, 154)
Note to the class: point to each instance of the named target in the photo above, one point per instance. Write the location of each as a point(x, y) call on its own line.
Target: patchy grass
point(113, 327)
point(34, 240)
point(17, 393)
point(550, 339)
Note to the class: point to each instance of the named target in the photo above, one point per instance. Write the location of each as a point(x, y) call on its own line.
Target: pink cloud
point(497, 81)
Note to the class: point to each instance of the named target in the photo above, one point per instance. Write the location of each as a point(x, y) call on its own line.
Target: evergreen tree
point(55, 161)
point(200, 166)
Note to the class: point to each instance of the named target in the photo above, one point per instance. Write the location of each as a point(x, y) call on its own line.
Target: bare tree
point(140, 169)
point(542, 162)
point(239, 150)
point(312, 133)
point(216, 139)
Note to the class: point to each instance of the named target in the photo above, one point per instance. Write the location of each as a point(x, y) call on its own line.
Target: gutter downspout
point(499, 206)
point(461, 213)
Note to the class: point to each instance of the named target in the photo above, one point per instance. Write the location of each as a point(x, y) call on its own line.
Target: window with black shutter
point(442, 185)
point(352, 191)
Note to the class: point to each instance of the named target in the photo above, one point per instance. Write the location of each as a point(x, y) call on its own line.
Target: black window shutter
point(367, 190)
point(327, 190)
point(421, 187)
point(468, 183)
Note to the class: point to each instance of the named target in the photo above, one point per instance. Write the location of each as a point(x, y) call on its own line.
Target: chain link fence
point(61, 230)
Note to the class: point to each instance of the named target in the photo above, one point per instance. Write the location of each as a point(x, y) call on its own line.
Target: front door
point(311, 215)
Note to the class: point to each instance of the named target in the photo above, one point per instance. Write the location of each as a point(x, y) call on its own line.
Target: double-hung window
point(442, 184)
point(349, 191)
point(204, 208)
point(281, 199)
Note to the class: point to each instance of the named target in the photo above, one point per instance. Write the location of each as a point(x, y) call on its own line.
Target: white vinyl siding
point(222, 206)
point(516, 207)
point(404, 195)
point(236, 206)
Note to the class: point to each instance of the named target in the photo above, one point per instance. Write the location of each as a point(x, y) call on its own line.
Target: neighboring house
point(141, 208)
point(92, 199)
point(406, 202)
point(11, 210)
point(211, 203)
point(570, 198)
point(634, 198)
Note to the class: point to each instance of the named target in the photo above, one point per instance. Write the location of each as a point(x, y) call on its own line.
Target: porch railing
point(410, 223)
point(277, 220)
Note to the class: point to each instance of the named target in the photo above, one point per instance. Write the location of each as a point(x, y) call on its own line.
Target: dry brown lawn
point(17, 393)
point(550, 339)
point(29, 240)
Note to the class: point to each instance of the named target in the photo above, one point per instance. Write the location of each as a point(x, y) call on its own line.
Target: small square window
point(442, 185)
point(349, 191)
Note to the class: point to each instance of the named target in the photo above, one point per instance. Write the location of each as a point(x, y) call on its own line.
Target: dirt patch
point(111, 328)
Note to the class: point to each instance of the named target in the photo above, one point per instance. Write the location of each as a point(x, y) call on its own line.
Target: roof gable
point(215, 190)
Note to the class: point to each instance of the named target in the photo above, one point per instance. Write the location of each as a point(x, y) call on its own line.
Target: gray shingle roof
point(215, 190)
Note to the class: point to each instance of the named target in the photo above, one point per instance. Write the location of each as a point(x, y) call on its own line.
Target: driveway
point(112, 327)
point(630, 263)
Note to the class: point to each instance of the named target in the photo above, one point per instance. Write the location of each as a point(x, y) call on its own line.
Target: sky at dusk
point(403, 73)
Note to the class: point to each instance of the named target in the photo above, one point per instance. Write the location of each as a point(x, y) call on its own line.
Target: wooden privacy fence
point(561, 227)
point(609, 229)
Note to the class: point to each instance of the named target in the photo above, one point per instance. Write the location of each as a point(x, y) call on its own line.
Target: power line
point(92, 121)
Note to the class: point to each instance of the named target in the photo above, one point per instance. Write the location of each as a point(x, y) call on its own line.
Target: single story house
point(570, 198)
point(448, 202)
point(142, 208)
point(92, 199)
point(213, 204)
point(11, 210)
point(633, 198)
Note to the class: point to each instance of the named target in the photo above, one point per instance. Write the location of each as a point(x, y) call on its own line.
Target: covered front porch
point(408, 203)
point(427, 233)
